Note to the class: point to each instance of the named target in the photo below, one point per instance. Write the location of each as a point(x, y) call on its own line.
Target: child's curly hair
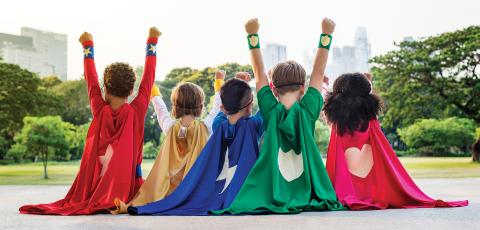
point(351, 105)
point(187, 99)
point(119, 79)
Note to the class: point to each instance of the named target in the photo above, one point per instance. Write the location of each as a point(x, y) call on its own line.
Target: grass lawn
point(64, 172)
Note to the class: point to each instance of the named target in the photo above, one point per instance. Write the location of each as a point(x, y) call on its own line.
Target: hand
point(252, 26)
point(243, 76)
point(328, 26)
point(85, 37)
point(220, 75)
point(154, 32)
point(368, 76)
point(325, 80)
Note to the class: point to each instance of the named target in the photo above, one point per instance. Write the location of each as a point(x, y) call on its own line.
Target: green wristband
point(253, 41)
point(325, 41)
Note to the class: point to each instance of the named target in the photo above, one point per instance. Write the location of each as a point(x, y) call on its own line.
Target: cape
point(289, 175)
point(386, 185)
point(217, 175)
point(175, 159)
point(112, 156)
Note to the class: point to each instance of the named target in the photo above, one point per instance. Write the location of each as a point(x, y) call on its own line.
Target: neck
point(186, 120)
point(289, 98)
point(232, 119)
point(116, 102)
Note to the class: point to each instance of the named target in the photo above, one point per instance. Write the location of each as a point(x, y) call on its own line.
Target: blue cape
point(217, 175)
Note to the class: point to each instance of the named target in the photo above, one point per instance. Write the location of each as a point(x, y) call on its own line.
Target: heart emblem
point(290, 164)
point(253, 40)
point(359, 162)
point(325, 40)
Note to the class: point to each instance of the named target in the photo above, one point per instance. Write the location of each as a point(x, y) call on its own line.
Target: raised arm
point(321, 57)
point(217, 101)
point(90, 73)
point(165, 121)
point(143, 96)
point(259, 73)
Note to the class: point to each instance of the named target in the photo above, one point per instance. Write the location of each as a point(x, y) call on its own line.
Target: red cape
point(121, 129)
point(387, 185)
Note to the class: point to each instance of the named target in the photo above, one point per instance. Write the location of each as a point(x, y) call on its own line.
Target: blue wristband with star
point(88, 52)
point(151, 49)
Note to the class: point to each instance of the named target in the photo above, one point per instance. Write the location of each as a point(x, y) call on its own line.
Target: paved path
point(11, 197)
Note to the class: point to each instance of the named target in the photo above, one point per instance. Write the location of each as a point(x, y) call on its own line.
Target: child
point(289, 175)
point(223, 164)
point(185, 138)
point(113, 148)
point(362, 165)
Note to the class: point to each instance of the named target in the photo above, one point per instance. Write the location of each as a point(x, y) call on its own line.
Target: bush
point(432, 137)
point(322, 134)
point(150, 151)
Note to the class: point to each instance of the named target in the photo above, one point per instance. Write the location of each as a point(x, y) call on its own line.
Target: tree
point(436, 77)
point(322, 136)
point(45, 137)
point(441, 68)
point(74, 98)
point(439, 137)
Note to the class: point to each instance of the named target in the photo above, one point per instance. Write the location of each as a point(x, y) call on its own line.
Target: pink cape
point(387, 185)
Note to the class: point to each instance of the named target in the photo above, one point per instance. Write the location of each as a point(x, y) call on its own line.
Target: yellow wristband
point(218, 84)
point(155, 91)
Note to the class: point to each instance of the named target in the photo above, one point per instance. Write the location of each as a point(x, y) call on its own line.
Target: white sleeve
point(208, 121)
point(163, 116)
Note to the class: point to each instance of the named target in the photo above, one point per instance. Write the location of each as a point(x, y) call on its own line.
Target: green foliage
point(18, 152)
point(74, 100)
point(437, 137)
point(477, 133)
point(150, 150)
point(436, 77)
point(77, 141)
point(46, 138)
point(322, 136)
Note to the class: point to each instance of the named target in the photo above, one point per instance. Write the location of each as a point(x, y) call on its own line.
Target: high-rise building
point(41, 52)
point(348, 59)
point(273, 54)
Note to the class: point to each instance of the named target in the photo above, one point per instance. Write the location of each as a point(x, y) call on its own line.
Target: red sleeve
point(140, 103)
point(90, 73)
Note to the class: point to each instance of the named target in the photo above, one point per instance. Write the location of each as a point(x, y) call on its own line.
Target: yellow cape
point(177, 155)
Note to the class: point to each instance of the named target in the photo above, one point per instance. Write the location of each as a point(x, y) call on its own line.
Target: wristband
point(151, 49)
point(253, 41)
point(325, 41)
point(218, 84)
point(155, 91)
point(88, 52)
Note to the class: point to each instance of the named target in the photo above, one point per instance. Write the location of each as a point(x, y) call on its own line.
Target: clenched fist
point(85, 37)
point(154, 32)
point(328, 26)
point(245, 76)
point(252, 26)
point(220, 74)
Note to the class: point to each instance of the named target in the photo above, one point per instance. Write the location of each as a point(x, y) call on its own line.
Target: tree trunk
point(45, 161)
point(476, 151)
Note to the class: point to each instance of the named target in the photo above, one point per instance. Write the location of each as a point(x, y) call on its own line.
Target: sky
point(201, 33)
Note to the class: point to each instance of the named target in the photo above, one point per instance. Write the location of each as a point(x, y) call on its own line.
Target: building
point(41, 52)
point(348, 59)
point(273, 54)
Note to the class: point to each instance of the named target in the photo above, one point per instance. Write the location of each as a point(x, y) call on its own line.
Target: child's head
point(187, 99)
point(288, 77)
point(351, 105)
point(118, 79)
point(236, 97)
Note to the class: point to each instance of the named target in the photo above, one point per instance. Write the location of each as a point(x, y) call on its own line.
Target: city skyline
point(208, 33)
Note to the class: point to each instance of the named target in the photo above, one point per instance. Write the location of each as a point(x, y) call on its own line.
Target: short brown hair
point(187, 99)
point(288, 76)
point(119, 79)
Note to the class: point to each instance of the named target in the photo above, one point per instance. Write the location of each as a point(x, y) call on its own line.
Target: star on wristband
point(325, 41)
point(253, 41)
point(88, 52)
point(151, 49)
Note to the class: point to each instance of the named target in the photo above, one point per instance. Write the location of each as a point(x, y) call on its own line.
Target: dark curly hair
point(235, 94)
point(351, 105)
point(119, 79)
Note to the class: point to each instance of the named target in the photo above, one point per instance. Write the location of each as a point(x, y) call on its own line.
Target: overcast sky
point(200, 33)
